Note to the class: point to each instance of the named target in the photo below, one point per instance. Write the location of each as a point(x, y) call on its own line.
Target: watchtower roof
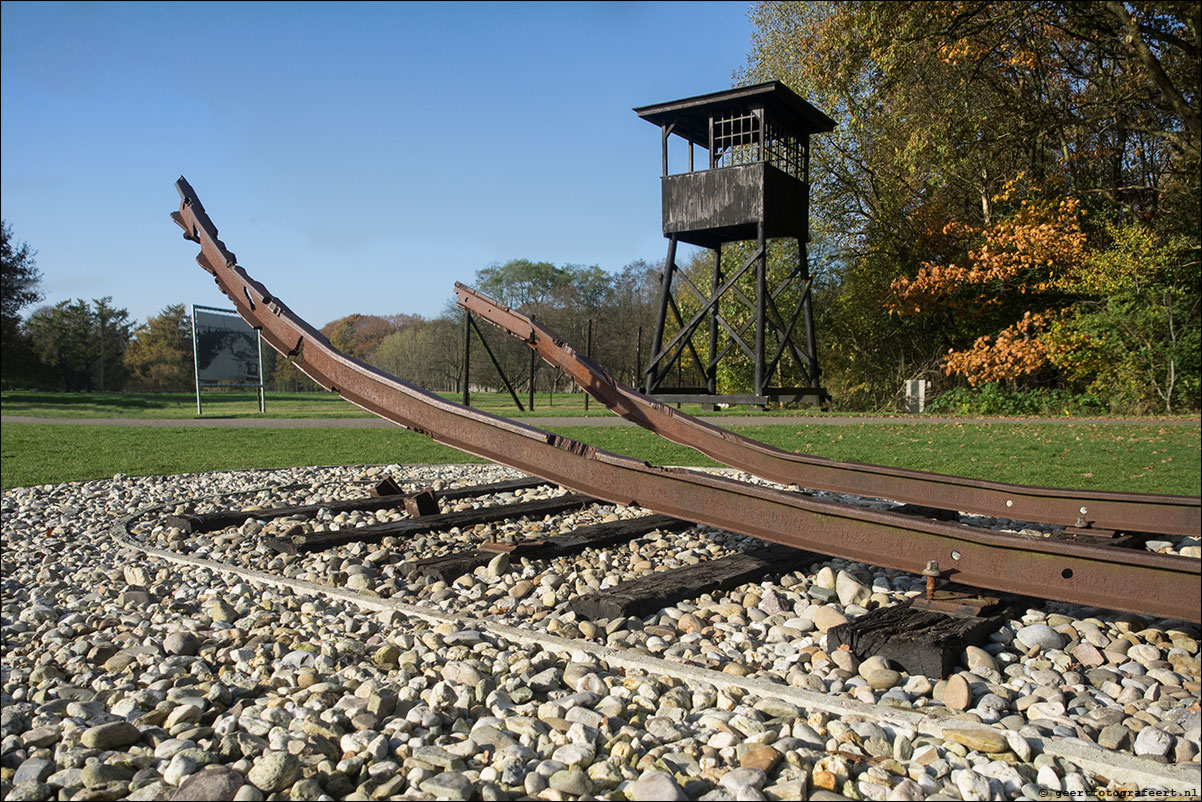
point(691, 115)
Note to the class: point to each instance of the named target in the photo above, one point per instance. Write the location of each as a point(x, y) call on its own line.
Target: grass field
point(1149, 458)
point(244, 404)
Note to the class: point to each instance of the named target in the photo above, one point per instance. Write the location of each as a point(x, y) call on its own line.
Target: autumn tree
point(159, 358)
point(359, 335)
point(958, 125)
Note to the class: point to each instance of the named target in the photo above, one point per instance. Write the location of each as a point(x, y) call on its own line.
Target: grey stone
point(182, 643)
point(33, 770)
point(737, 781)
point(309, 790)
point(274, 771)
point(41, 736)
point(1114, 736)
point(113, 735)
point(653, 786)
point(1153, 742)
point(213, 782)
point(97, 774)
point(437, 756)
point(67, 778)
point(571, 781)
point(1040, 635)
point(151, 792)
point(25, 792)
point(448, 785)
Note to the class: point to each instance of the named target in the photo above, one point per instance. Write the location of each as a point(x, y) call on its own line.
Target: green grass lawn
point(244, 404)
point(1149, 458)
point(234, 404)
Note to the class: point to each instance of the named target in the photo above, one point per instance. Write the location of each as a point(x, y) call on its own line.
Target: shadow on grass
point(108, 401)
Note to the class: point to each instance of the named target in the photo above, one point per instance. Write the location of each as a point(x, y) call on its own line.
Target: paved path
point(559, 422)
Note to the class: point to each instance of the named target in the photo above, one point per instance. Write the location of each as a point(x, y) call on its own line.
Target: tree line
point(429, 352)
point(82, 346)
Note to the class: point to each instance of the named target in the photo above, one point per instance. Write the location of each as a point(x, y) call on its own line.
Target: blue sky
point(356, 157)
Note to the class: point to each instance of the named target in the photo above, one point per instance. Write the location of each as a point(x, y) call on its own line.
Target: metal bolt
point(931, 573)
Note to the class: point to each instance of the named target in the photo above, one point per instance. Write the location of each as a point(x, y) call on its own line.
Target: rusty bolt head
point(932, 569)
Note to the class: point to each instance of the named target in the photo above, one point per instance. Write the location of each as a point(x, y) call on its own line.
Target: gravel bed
point(127, 676)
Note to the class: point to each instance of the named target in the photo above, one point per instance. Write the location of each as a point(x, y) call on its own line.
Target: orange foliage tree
point(1017, 266)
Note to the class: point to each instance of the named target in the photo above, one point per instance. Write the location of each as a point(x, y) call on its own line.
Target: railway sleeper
point(383, 498)
point(919, 639)
point(652, 592)
point(450, 566)
point(320, 541)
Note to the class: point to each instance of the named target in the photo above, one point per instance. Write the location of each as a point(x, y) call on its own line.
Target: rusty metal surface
point(1138, 512)
point(1147, 583)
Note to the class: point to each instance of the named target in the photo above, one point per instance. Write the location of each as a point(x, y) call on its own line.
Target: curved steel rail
point(1139, 582)
point(1130, 512)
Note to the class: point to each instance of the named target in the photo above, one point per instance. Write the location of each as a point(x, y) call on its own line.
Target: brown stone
point(760, 756)
point(927, 756)
point(979, 739)
point(1088, 656)
point(824, 780)
point(957, 695)
point(826, 617)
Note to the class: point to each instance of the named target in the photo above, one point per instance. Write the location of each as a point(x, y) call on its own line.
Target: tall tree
point(83, 343)
point(19, 276)
point(113, 329)
point(19, 279)
point(159, 358)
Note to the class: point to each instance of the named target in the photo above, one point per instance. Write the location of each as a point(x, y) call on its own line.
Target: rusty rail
point(1129, 512)
point(1152, 584)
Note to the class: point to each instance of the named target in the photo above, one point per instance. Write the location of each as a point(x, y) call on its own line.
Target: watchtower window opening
point(786, 151)
point(736, 139)
point(747, 137)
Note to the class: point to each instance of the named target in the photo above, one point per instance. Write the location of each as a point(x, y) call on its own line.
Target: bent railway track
point(1082, 573)
point(1081, 509)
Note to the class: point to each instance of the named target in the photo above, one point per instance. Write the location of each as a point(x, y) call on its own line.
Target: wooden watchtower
point(755, 186)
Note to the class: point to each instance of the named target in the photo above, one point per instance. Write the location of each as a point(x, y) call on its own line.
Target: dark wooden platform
point(212, 521)
point(319, 541)
point(450, 566)
point(652, 592)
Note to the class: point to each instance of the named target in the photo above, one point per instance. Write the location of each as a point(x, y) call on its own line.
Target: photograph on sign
point(227, 349)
